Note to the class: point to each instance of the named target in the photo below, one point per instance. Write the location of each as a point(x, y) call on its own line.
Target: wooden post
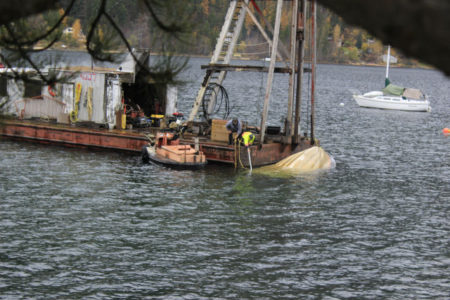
point(271, 70)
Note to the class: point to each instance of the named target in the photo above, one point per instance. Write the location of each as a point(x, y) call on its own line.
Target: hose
point(249, 159)
point(223, 99)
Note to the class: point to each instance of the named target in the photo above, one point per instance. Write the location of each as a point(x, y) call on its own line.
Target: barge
point(132, 141)
point(106, 100)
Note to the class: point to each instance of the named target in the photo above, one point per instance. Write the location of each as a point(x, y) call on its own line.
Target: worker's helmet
point(235, 121)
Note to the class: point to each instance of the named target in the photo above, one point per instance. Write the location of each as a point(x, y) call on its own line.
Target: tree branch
point(14, 10)
point(47, 33)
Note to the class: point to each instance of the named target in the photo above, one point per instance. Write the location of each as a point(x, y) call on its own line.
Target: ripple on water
point(79, 224)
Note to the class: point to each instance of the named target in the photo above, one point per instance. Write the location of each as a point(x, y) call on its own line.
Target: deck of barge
point(75, 136)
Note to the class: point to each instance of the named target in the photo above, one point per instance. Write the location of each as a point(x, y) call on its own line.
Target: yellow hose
point(74, 113)
point(89, 102)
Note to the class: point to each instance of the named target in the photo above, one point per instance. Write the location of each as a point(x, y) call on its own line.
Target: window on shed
point(3, 86)
point(33, 88)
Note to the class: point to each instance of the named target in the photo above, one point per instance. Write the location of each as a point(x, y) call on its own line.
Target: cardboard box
point(218, 131)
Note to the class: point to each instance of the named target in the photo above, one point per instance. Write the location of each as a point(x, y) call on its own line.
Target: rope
point(237, 154)
point(240, 161)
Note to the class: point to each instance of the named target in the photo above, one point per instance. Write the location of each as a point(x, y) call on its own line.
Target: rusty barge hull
point(133, 142)
point(116, 140)
point(261, 155)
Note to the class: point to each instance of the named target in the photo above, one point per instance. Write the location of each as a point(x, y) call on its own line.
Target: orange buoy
point(446, 131)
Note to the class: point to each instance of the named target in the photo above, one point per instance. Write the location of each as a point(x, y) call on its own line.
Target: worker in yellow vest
point(247, 138)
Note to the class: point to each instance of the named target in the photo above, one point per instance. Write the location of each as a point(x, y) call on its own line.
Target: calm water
point(76, 224)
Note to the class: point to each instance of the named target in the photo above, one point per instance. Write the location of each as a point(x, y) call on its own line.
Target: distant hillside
point(337, 42)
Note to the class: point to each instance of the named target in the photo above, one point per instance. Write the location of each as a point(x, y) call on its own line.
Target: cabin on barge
point(95, 105)
point(87, 93)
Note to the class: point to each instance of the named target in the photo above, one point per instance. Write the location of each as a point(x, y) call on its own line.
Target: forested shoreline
point(338, 42)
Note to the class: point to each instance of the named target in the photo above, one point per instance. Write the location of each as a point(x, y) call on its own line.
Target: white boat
point(394, 97)
point(379, 99)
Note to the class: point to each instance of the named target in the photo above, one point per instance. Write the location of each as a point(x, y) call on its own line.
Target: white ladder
point(223, 52)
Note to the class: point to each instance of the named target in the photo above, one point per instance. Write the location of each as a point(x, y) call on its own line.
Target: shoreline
point(360, 64)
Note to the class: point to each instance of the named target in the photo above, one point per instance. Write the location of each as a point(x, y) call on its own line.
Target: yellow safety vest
point(248, 138)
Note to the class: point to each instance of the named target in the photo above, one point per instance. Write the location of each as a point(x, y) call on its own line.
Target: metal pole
point(288, 128)
point(300, 55)
point(313, 65)
point(388, 58)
